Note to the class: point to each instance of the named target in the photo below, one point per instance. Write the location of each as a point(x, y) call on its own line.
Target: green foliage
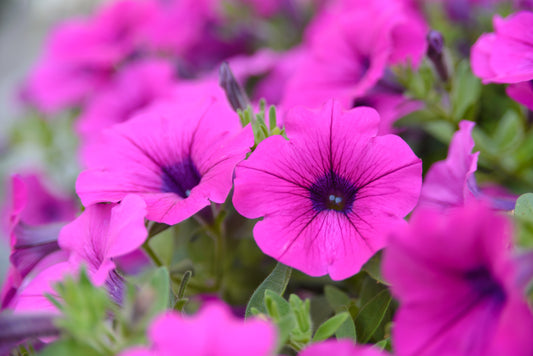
point(371, 315)
point(259, 122)
point(524, 216)
point(84, 315)
point(373, 267)
point(465, 92)
point(276, 281)
point(330, 326)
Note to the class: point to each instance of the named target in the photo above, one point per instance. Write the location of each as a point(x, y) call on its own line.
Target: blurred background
point(24, 25)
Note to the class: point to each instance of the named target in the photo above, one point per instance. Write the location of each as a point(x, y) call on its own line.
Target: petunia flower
point(269, 71)
point(349, 47)
point(452, 183)
point(100, 234)
point(505, 56)
point(522, 92)
point(178, 156)
point(327, 194)
point(457, 286)
point(34, 203)
point(35, 219)
point(213, 331)
point(82, 55)
point(339, 348)
point(135, 87)
point(448, 182)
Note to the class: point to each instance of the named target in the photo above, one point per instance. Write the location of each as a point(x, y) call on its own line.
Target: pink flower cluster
point(329, 191)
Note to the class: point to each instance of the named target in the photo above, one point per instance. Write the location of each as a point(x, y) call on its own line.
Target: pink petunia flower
point(82, 55)
point(271, 70)
point(390, 105)
point(457, 286)
point(35, 204)
point(452, 183)
point(505, 56)
point(100, 234)
point(522, 92)
point(328, 193)
point(213, 331)
point(449, 183)
point(35, 219)
point(339, 348)
point(135, 87)
point(178, 156)
point(350, 45)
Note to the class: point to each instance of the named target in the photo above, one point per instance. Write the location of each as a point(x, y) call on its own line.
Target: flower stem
point(151, 253)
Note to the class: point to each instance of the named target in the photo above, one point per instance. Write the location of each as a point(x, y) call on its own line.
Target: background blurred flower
point(457, 286)
point(213, 331)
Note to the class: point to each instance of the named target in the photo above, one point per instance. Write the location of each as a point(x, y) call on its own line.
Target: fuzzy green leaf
point(276, 281)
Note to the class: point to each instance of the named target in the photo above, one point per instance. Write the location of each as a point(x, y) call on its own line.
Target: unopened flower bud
point(435, 53)
point(235, 93)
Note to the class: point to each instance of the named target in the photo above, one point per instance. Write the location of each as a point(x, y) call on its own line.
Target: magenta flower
point(135, 87)
point(178, 156)
point(451, 183)
point(100, 234)
point(35, 204)
point(213, 331)
point(522, 92)
point(339, 348)
point(35, 219)
point(328, 193)
point(349, 48)
point(81, 55)
point(456, 283)
point(271, 71)
point(505, 56)
point(390, 105)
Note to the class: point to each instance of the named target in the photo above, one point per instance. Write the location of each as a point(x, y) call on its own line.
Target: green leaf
point(276, 281)
point(373, 267)
point(465, 91)
point(69, 347)
point(160, 282)
point(524, 214)
point(524, 207)
point(337, 299)
point(371, 315)
point(276, 305)
point(441, 130)
point(330, 326)
point(510, 131)
point(302, 311)
point(384, 344)
point(347, 330)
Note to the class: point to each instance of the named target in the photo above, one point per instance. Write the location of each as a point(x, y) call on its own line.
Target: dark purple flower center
point(483, 282)
point(180, 178)
point(333, 192)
